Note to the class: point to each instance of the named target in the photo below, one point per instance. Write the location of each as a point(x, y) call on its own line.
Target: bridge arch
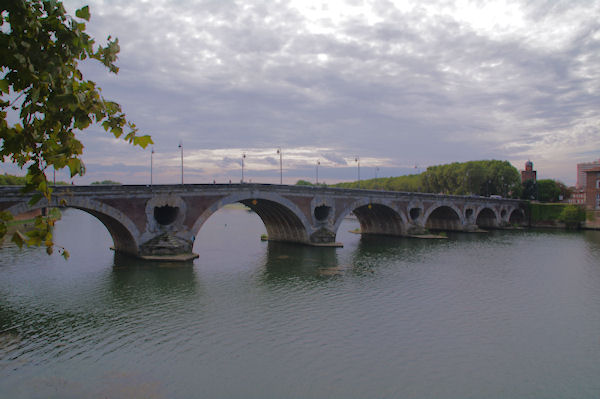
point(123, 231)
point(487, 218)
point(443, 217)
point(375, 218)
point(516, 217)
point(283, 219)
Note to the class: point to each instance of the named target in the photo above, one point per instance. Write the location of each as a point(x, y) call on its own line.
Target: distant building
point(528, 173)
point(581, 169)
point(592, 189)
point(577, 196)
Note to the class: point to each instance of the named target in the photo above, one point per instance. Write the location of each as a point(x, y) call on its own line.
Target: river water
point(499, 315)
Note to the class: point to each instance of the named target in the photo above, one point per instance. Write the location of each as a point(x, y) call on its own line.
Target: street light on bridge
point(318, 163)
point(280, 166)
point(181, 147)
point(357, 160)
point(243, 157)
point(151, 164)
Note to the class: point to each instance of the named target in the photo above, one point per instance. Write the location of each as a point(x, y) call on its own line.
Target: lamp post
point(243, 157)
point(151, 162)
point(318, 163)
point(376, 171)
point(357, 160)
point(280, 166)
point(181, 147)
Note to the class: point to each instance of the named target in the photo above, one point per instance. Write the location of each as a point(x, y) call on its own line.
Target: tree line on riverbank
point(483, 178)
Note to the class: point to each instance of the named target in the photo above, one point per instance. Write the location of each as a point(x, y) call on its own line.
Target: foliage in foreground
point(40, 50)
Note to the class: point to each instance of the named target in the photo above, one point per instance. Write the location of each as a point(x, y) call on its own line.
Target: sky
point(395, 85)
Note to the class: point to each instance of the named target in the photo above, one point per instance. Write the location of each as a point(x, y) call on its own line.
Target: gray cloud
point(417, 85)
point(335, 158)
point(229, 162)
point(272, 161)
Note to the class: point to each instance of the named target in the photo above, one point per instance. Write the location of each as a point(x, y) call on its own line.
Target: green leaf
point(83, 13)
point(4, 86)
point(143, 141)
point(117, 131)
point(75, 167)
point(6, 216)
point(3, 230)
point(19, 239)
point(20, 58)
point(35, 198)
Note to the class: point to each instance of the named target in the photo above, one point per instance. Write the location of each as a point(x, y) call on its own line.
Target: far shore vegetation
point(480, 178)
point(107, 182)
point(12, 180)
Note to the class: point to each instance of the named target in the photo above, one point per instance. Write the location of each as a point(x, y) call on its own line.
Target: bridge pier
point(167, 247)
point(414, 229)
point(324, 238)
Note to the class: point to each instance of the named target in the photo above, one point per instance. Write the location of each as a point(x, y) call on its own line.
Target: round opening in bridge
point(469, 213)
point(165, 215)
point(322, 212)
point(503, 213)
point(415, 213)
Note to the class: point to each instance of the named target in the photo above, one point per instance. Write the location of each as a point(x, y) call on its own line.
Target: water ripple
point(384, 317)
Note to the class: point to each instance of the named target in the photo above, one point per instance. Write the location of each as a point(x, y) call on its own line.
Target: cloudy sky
point(401, 84)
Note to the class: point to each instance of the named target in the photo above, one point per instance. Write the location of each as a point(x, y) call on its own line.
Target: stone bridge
point(163, 220)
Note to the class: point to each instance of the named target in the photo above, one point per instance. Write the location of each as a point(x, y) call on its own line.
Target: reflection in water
point(374, 251)
point(285, 261)
point(592, 237)
point(135, 279)
point(126, 261)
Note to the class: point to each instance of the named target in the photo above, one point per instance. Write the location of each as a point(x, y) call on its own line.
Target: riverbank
point(592, 220)
point(557, 216)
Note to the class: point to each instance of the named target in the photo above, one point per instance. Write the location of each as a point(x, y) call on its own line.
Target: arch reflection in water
point(135, 278)
point(289, 261)
point(374, 251)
